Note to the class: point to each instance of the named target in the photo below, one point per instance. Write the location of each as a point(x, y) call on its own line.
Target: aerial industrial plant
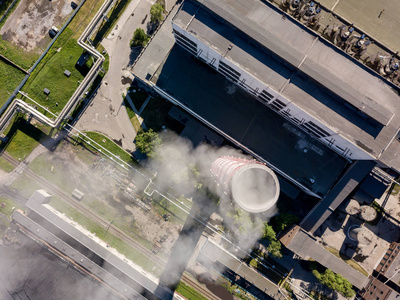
point(199, 149)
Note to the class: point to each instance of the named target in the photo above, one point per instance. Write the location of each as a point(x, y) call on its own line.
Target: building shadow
point(184, 246)
point(25, 126)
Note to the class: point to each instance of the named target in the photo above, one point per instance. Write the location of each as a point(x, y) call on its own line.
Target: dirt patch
point(28, 27)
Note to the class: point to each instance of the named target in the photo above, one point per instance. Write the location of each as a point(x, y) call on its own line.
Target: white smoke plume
point(174, 164)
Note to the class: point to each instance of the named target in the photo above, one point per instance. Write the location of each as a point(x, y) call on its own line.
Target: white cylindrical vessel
point(253, 186)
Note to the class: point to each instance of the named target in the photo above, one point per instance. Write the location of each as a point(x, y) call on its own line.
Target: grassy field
point(25, 185)
point(5, 165)
point(54, 173)
point(12, 52)
point(50, 74)
point(111, 146)
point(188, 292)
point(62, 56)
point(7, 205)
point(22, 138)
point(22, 58)
point(132, 116)
point(10, 77)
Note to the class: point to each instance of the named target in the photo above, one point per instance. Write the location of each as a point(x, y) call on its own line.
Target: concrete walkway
point(107, 114)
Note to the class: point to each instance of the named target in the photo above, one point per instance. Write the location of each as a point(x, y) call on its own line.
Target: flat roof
point(137, 275)
point(249, 122)
point(307, 247)
point(305, 69)
point(217, 255)
point(76, 256)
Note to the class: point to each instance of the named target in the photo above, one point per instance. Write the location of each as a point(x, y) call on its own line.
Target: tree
point(140, 38)
point(274, 247)
point(156, 12)
point(285, 220)
point(335, 282)
point(269, 233)
point(148, 142)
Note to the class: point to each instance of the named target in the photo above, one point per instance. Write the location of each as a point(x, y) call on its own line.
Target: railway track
point(205, 292)
point(55, 190)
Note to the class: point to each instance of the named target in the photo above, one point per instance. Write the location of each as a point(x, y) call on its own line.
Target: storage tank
point(368, 213)
point(360, 234)
point(353, 207)
point(252, 185)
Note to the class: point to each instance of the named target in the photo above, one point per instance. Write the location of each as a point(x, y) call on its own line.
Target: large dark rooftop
point(307, 70)
point(249, 122)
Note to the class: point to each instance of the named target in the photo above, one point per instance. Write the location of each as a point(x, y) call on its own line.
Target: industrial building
point(321, 120)
point(88, 251)
point(315, 87)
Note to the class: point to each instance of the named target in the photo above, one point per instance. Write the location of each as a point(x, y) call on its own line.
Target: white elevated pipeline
point(19, 104)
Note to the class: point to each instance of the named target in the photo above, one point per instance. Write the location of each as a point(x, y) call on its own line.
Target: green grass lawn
point(132, 116)
point(52, 172)
point(75, 28)
point(25, 185)
point(51, 76)
point(62, 56)
point(10, 78)
point(189, 292)
point(22, 138)
point(111, 146)
point(5, 165)
point(22, 58)
point(7, 205)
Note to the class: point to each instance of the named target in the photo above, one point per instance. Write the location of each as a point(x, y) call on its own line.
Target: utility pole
point(109, 225)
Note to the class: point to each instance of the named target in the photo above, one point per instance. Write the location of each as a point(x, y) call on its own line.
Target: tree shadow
point(151, 28)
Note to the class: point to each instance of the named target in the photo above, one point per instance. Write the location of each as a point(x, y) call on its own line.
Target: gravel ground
point(29, 25)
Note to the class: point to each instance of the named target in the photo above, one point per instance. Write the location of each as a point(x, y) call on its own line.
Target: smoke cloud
point(180, 167)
